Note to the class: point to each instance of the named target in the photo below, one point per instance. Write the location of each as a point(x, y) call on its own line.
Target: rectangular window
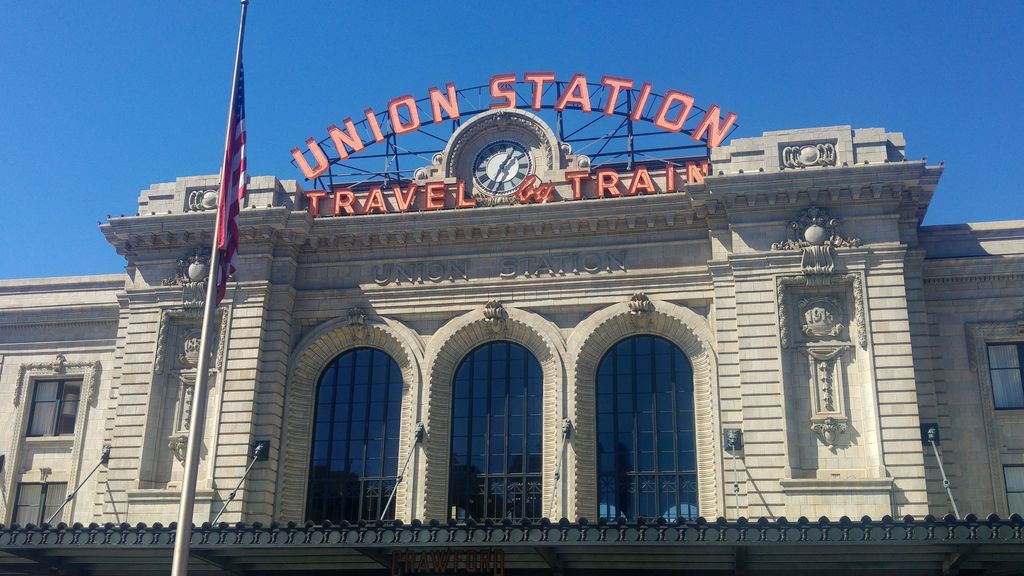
point(1014, 476)
point(54, 407)
point(35, 503)
point(1004, 365)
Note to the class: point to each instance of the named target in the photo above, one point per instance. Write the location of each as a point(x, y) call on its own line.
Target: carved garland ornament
point(783, 283)
point(358, 323)
point(495, 315)
point(192, 274)
point(163, 334)
point(802, 156)
point(829, 430)
point(60, 367)
point(816, 235)
point(821, 317)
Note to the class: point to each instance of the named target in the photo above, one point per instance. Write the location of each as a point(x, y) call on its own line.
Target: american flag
point(232, 188)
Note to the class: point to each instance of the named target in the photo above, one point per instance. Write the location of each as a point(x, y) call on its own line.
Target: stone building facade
point(821, 319)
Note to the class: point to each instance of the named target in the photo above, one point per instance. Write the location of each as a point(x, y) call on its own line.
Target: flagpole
point(183, 535)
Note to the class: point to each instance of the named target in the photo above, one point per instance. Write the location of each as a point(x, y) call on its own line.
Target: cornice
point(132, 236)
point(58, 316)
point(908, 184)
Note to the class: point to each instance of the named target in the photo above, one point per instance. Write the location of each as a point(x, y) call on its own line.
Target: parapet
point(809, 148)
point(199, 193)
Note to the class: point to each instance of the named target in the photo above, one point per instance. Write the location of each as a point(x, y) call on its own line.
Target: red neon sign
point(671, 115)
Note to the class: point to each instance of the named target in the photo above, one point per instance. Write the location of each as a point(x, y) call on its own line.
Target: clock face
point(501, 167)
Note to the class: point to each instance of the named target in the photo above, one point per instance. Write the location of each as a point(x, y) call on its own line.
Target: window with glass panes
point(1014, 476)
point(496, 434)
point(646, 442)
point(35, 503)
point(54, 407)
point(354, 464)
point(1004, 365)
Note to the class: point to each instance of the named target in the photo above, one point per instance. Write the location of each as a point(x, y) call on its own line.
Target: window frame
point(43, 495)
point(1020, 369)
point(529, 481)
point(60, 402)
point(635, 475)
point(1007, 490)
point(384, 482)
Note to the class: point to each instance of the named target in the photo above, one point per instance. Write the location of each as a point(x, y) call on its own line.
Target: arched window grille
point(496, 434)
point(354, 464)
point(646, 442)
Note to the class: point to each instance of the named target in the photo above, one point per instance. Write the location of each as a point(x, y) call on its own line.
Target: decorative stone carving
point(784, 283)
point(495, 315)
point(190, 349)
point(200, 200)
point(816, 235)
point(357, 322)
point(178, 444)
point(827, 384)
point(60, 367)
point(640, 304)
point(192, 275)
point(640, 308)
point(829, 430)
point(802, 156)
point(187, 316)
point(484, 199)
point(185, 394)
point(821, 317)
point(60, 364)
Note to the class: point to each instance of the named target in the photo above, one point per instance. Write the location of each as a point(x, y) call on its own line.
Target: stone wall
point(827, 348)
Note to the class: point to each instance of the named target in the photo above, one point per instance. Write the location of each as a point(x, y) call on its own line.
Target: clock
point(501, 166)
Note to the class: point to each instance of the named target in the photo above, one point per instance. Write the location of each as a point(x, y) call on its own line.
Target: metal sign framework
point(607, 139)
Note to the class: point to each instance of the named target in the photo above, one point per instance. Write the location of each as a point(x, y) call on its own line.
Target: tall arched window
point(645, 431)
point(496, 434)
point(354, 464)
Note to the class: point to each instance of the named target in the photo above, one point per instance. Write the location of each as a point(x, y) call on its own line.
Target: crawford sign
point(500, 151)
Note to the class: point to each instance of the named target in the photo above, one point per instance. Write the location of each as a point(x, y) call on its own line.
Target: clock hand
point(504, 166)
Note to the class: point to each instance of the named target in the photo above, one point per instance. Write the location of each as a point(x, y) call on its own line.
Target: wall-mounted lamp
point(733, 439)
point(261, 450)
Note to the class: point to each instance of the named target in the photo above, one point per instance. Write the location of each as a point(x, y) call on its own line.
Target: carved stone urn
point(815, 234)
point(197, 270)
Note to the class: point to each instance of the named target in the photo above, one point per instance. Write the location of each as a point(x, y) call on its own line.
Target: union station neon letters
point(671, 113)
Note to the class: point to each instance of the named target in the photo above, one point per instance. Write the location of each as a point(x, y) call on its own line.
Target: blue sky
point(100, 99)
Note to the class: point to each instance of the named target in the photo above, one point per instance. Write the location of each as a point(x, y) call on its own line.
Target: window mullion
point(42, 500)
point(58, 408)
point(1020, 364)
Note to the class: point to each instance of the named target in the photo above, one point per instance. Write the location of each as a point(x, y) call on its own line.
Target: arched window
point(496, 434)
point(354, 464)
point(645, 431)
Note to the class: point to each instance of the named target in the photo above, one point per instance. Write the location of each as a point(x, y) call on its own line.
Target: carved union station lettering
point(561, 264)
point(420, 272)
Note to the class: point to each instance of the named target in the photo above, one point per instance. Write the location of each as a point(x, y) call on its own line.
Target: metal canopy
point(887, 546)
